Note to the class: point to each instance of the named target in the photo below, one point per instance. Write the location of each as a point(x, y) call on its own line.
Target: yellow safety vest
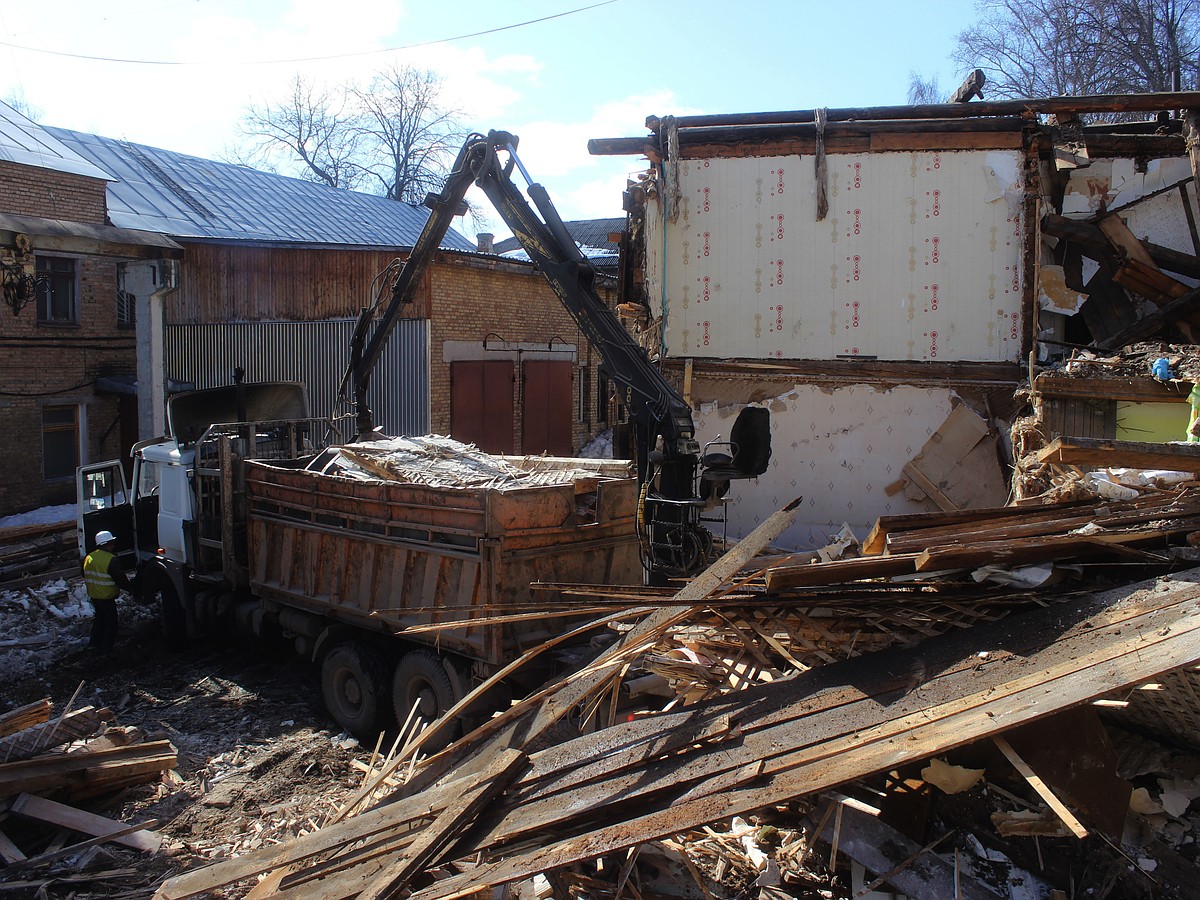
point(100, 585)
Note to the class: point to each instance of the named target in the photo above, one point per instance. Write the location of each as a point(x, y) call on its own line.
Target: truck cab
point(161, 522)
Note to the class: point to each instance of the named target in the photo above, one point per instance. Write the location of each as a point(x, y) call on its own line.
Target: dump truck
point(247, 520)
point(241, 517)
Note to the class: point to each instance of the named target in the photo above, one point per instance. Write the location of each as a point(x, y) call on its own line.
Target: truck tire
point(354, 687)
point(421, 680)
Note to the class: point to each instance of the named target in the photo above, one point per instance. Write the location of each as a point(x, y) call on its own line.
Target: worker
point(105, 579)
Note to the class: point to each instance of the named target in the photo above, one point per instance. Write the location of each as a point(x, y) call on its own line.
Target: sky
point(588, 69)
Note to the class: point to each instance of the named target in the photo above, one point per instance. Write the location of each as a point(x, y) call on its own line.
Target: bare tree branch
point(1040, 48)
point(312, 129)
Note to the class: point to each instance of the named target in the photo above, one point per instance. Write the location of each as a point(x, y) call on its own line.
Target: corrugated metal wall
point(313, 353)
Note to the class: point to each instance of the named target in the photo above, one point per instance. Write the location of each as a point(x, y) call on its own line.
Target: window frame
point(74, 427)
point(45, 295)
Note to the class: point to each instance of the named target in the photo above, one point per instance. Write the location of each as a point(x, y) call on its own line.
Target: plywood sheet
point(918, 259)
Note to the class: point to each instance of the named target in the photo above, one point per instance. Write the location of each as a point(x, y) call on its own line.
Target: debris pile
point(767, 722)
point(29, 554)
point(51, 767)
point(440, 461)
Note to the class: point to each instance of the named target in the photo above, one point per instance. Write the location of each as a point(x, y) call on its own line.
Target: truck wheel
point(421, 680)
point(354, 686)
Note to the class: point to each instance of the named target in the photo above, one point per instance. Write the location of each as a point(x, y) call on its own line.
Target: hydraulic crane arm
point(667, 453)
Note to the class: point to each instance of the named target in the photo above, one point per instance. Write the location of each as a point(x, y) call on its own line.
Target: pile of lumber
point(49, 765)
point(500, 806)
point(32, 553)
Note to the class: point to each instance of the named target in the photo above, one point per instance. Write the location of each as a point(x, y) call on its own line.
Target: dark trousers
point(104, 625)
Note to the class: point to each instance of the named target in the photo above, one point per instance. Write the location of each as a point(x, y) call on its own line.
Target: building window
point(585, 394)
point(603, 393)
point(60, 441)
point(57, 290)
point(126, 309)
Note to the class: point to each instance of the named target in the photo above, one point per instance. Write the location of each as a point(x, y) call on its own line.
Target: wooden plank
point(1034, 550)
point(1042, 789)
point(1097, 452)
point(113, 837)
point(958, 467)
point(9, 852)
point(452, 820)
point(1119, 235)
point(34, 807)
point(39, 738)
point(79, 770)
point(839, 571)
point(885, 525)
point(1100, 386)
point(1121, 657)
point(23, 717)
point(1106, 515)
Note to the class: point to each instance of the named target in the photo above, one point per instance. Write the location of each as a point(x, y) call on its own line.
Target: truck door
point(104, 504)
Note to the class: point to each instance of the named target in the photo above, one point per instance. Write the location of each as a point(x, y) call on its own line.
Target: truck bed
point(386, 555)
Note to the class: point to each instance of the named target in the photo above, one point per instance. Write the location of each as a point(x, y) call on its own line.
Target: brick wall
point(54, 365)
point(30, 191)
point(470, 297)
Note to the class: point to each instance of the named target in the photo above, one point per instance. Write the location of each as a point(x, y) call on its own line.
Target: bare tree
point(1040, 48)
point(923, 90)
point(407, 137)
point(312, 127)
point(16, 99)
point(393, 137)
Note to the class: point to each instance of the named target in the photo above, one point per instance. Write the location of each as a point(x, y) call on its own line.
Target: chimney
point(484, 241)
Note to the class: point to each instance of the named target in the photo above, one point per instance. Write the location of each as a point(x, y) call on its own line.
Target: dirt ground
point(258, 759)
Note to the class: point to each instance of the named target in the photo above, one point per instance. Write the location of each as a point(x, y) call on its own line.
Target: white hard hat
point(104, 537)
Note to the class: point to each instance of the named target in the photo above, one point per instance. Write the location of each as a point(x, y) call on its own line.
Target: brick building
point(67, 345)
point(276, 269)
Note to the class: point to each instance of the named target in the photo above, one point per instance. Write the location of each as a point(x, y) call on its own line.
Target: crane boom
point(667, 454)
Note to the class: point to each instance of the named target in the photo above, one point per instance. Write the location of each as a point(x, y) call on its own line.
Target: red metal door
point(481, 404)
point(546, 407)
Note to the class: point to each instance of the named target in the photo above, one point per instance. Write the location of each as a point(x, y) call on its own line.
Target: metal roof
point(585, 232)
point(189, 197)
point(27, 143)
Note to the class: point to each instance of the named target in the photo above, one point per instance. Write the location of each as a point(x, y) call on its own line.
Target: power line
point(306, 59)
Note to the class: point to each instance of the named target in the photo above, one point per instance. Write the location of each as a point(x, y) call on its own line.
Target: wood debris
point(763, 714)
point(49, 764)
point(440, 461)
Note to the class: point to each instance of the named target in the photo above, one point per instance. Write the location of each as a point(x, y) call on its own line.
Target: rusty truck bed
point(387, 555)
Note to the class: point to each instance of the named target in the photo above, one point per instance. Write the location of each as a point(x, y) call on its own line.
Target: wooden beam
point(839, 571)
point(75, 724)
point(1154, 322)
point(23, 717)
point(81, 771)
point(453, 819)
point(1081, 663)
point(1103, 386)
point(1043, 790)
point(1098, 452)
point(34, 807)
point(1149, 102)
